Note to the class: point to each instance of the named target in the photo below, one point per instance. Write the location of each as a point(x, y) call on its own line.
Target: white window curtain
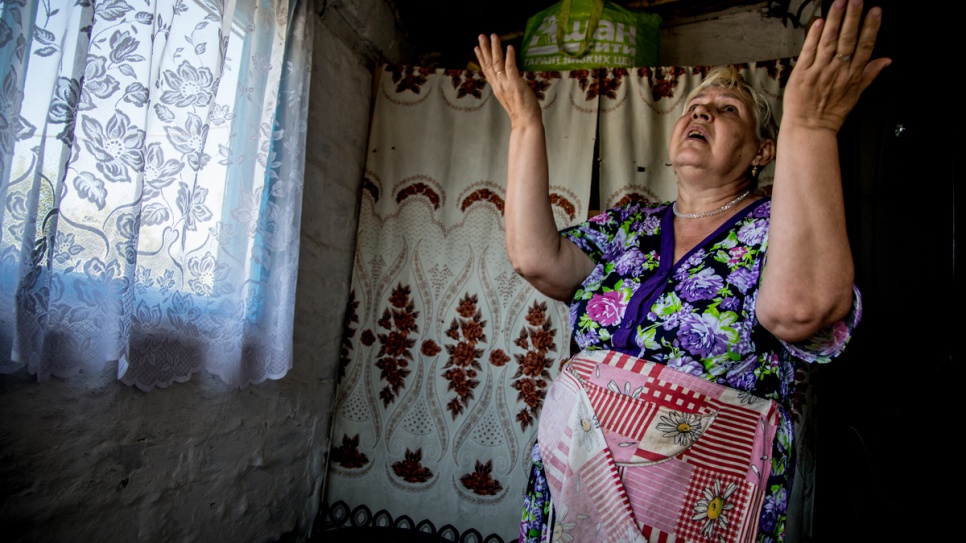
point(151, 161)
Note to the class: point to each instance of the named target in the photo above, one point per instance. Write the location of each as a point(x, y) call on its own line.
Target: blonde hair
point(730, 78)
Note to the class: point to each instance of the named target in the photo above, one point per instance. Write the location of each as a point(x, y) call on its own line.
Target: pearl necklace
point(722, 209)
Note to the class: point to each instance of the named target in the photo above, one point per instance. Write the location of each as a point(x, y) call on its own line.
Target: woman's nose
point(700, 113)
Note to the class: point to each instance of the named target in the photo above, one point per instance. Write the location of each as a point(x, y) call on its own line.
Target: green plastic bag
point(582, 34)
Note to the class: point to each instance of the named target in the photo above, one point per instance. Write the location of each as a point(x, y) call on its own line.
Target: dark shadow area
point(879, 477)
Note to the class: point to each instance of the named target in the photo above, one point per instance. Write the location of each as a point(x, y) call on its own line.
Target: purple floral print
point(705, 335)
point(701, 320)
point(607, 308)
point(753, 233)
point(701, 286)
point(742, 279)
point(630, 262)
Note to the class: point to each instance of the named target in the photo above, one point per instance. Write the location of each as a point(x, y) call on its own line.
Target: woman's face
point(716, 135)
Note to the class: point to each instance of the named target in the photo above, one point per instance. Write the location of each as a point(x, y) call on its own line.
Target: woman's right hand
point(509, 87)
point(537, 252)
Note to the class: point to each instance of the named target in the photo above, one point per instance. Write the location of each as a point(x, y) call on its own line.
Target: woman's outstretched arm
point(808, 278)
point(537, 251)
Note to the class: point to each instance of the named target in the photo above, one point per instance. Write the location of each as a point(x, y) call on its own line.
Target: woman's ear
point(766, 152)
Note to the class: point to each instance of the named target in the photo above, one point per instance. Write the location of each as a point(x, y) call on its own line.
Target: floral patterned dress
point(697, 316)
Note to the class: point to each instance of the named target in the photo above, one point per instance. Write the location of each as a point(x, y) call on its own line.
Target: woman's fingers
point(870, 29)
point(834, 67)
point(836, 39)
point(497, 50)
point(511, 61)
point(483, 52)
point(841, 44)
point(849, 34)
point(505, 80)
point(489, 55)
point(856, 43)
point(809, 49)
point(829, 43)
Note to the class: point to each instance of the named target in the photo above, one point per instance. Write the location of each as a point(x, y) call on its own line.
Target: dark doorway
point(885, 405)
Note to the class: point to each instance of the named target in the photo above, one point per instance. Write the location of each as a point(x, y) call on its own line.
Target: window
point(151, 158)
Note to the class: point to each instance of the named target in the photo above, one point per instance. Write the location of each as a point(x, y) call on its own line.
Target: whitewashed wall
point(88, 459)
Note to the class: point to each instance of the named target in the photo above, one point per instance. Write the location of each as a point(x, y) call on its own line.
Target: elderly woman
point(685, 285)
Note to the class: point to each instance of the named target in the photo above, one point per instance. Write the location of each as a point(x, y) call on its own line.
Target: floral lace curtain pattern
point(151, 157)
point(447, 353)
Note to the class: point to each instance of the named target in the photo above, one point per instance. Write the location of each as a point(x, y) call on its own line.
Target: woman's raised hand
point(833, 68)
point(504, 77)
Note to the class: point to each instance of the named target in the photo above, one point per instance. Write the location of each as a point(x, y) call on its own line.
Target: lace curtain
point(151, 157)
point(447, 353)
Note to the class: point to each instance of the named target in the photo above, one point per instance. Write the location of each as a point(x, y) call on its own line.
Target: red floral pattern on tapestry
point(539, 82)
point(430, 348)
point(467, 82)
point(778, 69)
point(371, 188)
point(480, 481)
point(482, 195)
point(606, 82)
point(464, 356)
point(563, 203)
point(419, 188)
point(409, 78)
point(499, 358)
point(411, 469)
point(347, 455)
point(533, 371)
point(394, 353)
point(588, 81)
point(662, 80)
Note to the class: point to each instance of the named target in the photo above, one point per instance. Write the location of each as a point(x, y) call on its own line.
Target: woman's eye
point(730, 109)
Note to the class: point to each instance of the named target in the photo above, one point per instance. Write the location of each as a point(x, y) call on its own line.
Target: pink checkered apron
point(636, 451)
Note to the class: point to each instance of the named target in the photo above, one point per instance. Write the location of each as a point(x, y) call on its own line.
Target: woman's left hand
point(833, 68)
